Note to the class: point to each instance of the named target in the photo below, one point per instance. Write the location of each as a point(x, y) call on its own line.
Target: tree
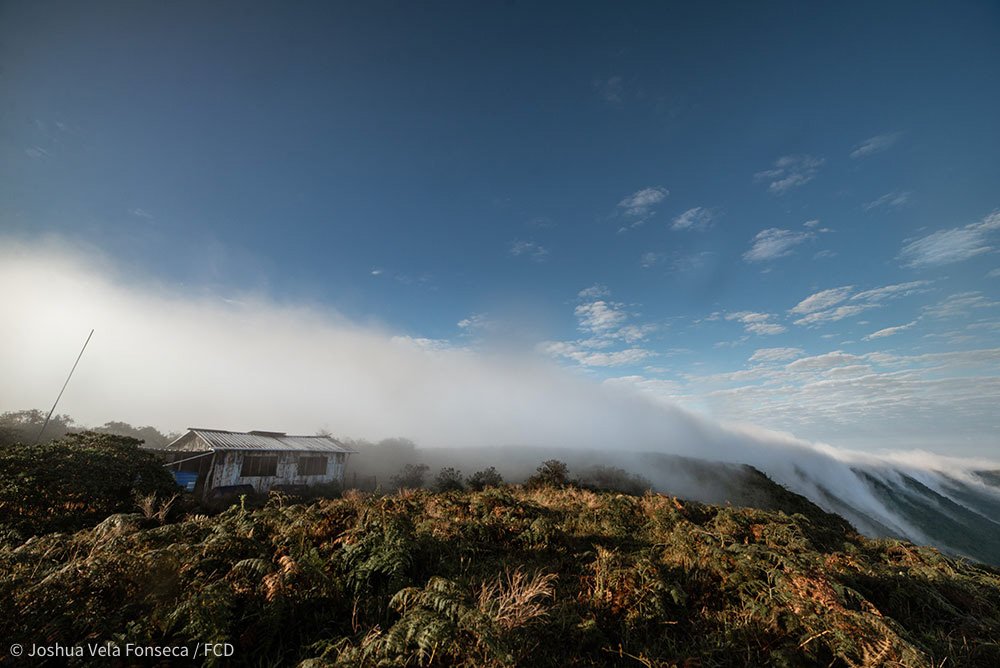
point(614, 479)
point(480, 480)
point(76, 481)
point(552, 473)
point(25, 426)
point(449, 480)
point(411, 476)
point(150, 436)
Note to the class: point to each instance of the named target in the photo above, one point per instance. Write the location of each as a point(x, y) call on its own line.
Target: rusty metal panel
point(218, 440)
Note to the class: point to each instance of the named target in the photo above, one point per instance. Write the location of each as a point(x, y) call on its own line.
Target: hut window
point(257, 466)
point(312, 465)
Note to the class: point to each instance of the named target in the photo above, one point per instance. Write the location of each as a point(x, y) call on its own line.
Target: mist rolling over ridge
point(175, 360)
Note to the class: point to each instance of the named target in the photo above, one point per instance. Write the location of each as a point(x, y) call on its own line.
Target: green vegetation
point(26, 427)
point(542, 576)
point(74, 482)
point(488, 477)
point(552, 473)
point(553, 573)
point(410, 476)
point(449, 480)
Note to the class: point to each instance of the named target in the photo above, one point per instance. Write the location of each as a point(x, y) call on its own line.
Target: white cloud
point(773, 243)
point(822, 300)
point(600, 316)
point(790, 172)
point(475, 322)
point(875, 144)
point(376, 272)
point(428, 345)
point(698, 218)
point(591, 358)
point(533, 251)
point(892, 291)
point(141, 213)
point(606, 325)
point(889, 331)
point(36, 152)
point(892, 200)
point(635, 333)
point(951, 245)
point(655, 387)
point(756, 323)
point(959, 305)
point(765, 355)
point(993, 273)
point(594, 292)
point(640, 204)
point(824, 361)
point(832, 315)
point(811, 224)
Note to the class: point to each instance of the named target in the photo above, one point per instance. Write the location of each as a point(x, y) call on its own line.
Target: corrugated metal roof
point(217, 439)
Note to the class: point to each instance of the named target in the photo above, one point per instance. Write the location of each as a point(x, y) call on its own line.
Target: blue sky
point(770, 213)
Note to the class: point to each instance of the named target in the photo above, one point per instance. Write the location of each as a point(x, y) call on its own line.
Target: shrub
point(552, 473)
point(411, 476)
point(76, 481)
point(480, 480)
point(449, 480)
point(613, 479)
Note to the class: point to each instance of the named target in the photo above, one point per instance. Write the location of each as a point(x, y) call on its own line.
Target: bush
point(552, 473)
point(449, 480)
point(411, 476)
point(614, 479)
point(480, 480)
point(76, 481)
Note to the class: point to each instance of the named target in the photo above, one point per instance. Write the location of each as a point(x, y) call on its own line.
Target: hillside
point(957, 515)
point(507, 576)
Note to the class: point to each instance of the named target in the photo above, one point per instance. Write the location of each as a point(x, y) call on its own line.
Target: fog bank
point(175, 359)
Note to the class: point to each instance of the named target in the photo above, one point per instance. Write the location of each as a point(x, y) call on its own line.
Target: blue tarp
point(186, 479)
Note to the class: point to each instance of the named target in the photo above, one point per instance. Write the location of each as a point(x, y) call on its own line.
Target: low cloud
point(175, 359)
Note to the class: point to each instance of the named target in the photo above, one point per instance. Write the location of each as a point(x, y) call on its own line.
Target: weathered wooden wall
point(228, 465)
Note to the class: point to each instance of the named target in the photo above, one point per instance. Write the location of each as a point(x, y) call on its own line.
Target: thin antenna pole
point(49, 416)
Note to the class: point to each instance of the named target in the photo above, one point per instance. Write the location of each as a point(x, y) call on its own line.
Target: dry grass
point(514, 599)
point(505, 577)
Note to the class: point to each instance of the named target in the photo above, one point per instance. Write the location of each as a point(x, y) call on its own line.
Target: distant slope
point(957, 515)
